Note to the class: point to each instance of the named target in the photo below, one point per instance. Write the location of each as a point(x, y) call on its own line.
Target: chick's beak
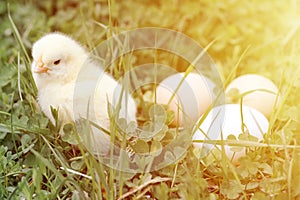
point(40, 66)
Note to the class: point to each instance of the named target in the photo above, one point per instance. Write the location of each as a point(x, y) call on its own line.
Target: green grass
point(241, 37)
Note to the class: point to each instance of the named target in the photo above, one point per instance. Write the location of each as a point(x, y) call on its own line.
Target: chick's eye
point(56, 62)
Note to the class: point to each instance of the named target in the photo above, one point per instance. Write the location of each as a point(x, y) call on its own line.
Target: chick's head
point(56, 58)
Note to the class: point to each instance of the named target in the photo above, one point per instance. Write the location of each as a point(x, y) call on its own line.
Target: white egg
point(190, 96)
point(261, 92)
point(226, 120)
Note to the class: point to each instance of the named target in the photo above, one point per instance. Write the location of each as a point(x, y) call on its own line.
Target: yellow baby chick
point(69, 80)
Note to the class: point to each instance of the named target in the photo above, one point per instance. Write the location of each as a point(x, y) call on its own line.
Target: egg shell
point(263, 101)
point(226, 120)
point(191, 99)
point(163, 94)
